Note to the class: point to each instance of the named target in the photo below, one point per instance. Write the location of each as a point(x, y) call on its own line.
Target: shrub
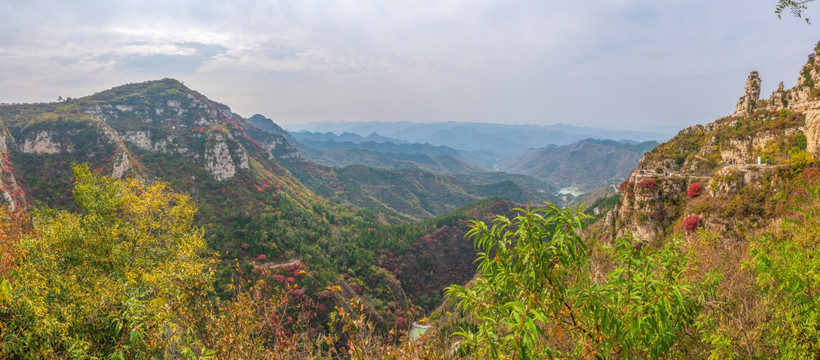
point(623, 185)
point(785, 264)
point(548, 307)
point(691, 223)
point(800, 159)
point(647, 184)
point(694, 190)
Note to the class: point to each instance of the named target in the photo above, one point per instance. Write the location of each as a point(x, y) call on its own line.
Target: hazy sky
point(619, 64)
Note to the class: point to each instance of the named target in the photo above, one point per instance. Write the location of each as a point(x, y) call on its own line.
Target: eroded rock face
point(121, 164)
point(243, 159)
point(644, 211)
point(42, 143)
point(812, 129)
point(142, 139)
point(220, 162)
point(11, 193)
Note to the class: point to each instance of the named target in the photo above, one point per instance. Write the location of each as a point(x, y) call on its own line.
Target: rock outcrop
point(220, 161)
point(747, 102)
point(735, 160)
point(12, 193)
point(43, 142)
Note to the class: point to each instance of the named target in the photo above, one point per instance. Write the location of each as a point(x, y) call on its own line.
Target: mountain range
point(500, 139)
point(587, 164)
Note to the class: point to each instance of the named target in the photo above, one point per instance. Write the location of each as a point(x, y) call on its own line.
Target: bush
point(691, 223)
point(694, 190)
point(623, 185)
point(785, 265)
point(535, 300)
point(647, 184)
point(800, 159)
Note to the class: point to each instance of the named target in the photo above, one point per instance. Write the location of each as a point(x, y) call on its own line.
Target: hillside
point(587, 164)
point(255, 209)
point(394, 160)
point(746, 164)
point(420, 194)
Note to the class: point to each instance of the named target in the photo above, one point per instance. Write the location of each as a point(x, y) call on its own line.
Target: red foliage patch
point(401, 323)
point(623, 185)
point(691, 223)
point(694, 190)
point(647, 184)
point(261, 257)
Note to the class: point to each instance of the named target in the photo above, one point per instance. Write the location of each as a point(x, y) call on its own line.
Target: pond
point(570, 190)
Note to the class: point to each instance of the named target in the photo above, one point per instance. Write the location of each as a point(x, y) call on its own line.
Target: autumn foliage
point(694, 190)
point(691, 223)
point(647, 184)
point(13, 226)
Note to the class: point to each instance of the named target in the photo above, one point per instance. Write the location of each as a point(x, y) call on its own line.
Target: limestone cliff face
point(222, 162)
point(172, 120)
point(156, 130)
point(82, 137)
point(43, 142)
point(734, 160)
point(166, 145)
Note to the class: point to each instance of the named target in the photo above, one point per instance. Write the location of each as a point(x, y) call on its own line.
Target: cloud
point(609, 63)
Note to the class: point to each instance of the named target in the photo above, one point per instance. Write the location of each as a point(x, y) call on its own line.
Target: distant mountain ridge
point(343, 137)
point(500, 139)
point(588, 164)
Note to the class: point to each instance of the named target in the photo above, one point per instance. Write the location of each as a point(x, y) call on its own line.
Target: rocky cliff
point(742, 163)
point(156, 129)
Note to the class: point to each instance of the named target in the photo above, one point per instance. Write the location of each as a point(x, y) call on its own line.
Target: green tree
point(536, 296)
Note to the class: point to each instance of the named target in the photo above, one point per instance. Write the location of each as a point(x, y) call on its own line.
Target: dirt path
point(273, 266)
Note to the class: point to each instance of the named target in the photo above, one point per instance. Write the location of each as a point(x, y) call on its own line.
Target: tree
point(122, 278)
point(536, 296)
point(787, 266)
point(796, 7)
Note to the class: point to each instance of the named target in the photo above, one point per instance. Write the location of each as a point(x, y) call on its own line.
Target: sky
point(616, 64)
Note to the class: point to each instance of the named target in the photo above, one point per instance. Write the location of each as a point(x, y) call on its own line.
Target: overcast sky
point(618, 64)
